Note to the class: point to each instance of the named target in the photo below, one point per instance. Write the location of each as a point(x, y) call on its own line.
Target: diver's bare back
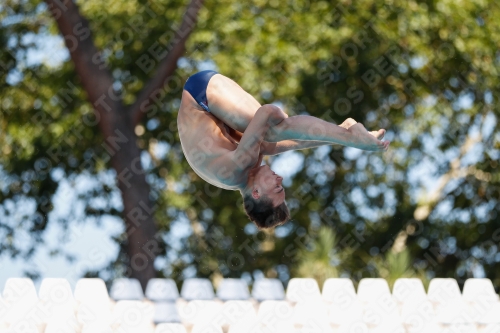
point(205, 140)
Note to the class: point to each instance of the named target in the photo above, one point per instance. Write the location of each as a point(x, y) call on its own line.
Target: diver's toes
point(380, 134)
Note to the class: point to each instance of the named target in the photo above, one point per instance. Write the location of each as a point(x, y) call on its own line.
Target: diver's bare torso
point(205, 139)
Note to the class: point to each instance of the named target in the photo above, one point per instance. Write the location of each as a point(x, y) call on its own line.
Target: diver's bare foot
point(348, 123)
point(362, 139)
point(378, 134)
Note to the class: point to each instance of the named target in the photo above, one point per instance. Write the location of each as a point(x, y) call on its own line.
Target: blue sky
point(91, 245)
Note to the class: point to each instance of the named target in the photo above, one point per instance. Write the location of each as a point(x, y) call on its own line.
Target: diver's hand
point(275, 115)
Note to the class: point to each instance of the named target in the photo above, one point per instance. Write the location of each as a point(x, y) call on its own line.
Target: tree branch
point(425, 208)
point(168, 64)
point(90, 67)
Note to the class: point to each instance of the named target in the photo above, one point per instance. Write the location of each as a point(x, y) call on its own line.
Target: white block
point(62, 323)
point(268, 289)
point(388, 327)
point(408, 290)
point(133, 314)
point(200, 312)
point(162, 290)
point(443, 291)
point(338, 290)
point(197, 289)
point(63, 327)
point(380, 312)
point(204, 328)
point(55, 290)
point(272, 312)
point(135, 329)
point(302, 289)
point(91, 291)
point(315, 327)
point(479, 290)
point(93, 304)
point(23, 326)
point(19, 289)
point(373, 290)
point(459, 328)
point(166, 312)
point(97, 328)
point(88, 315)
point(345, 311)
point(489, 328)
point(310, 312)
point(4, 309)
point(457, 312)
point(126, 289)
point(427, 327)
point(356, 327)
point(170, 328)
point(233, 289)
point(486, 313)
point(21, 300)
point(248, 328)
point(234, 312)
point(343, 304)
point(283, 327)
point(417, 314)
point(57, 299)
point(379, 307)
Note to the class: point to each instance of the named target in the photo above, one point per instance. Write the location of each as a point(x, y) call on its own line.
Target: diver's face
point(268, 183)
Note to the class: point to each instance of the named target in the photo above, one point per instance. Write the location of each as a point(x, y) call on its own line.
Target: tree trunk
point(141, 246)
point(117, 123)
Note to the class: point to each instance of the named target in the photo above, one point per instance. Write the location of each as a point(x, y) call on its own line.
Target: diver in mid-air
point(225, 132)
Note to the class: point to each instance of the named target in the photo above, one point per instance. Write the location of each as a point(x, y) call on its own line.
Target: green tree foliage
point(319, 260)
point(397, 263)
point(425, 70)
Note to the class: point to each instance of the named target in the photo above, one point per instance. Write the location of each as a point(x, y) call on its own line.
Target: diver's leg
point(231, 103)
point(236, 108)
point(311, 128)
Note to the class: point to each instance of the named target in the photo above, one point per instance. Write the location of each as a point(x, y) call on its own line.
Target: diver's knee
point(274, 113)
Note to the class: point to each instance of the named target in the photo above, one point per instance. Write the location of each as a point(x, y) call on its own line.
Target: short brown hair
point(263, 214)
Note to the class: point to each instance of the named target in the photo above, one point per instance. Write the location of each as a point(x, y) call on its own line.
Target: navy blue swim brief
point(197, 84)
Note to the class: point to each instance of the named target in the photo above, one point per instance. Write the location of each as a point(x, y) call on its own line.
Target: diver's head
point(264, 198)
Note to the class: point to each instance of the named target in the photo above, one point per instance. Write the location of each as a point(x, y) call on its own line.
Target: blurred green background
point(427, 71)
